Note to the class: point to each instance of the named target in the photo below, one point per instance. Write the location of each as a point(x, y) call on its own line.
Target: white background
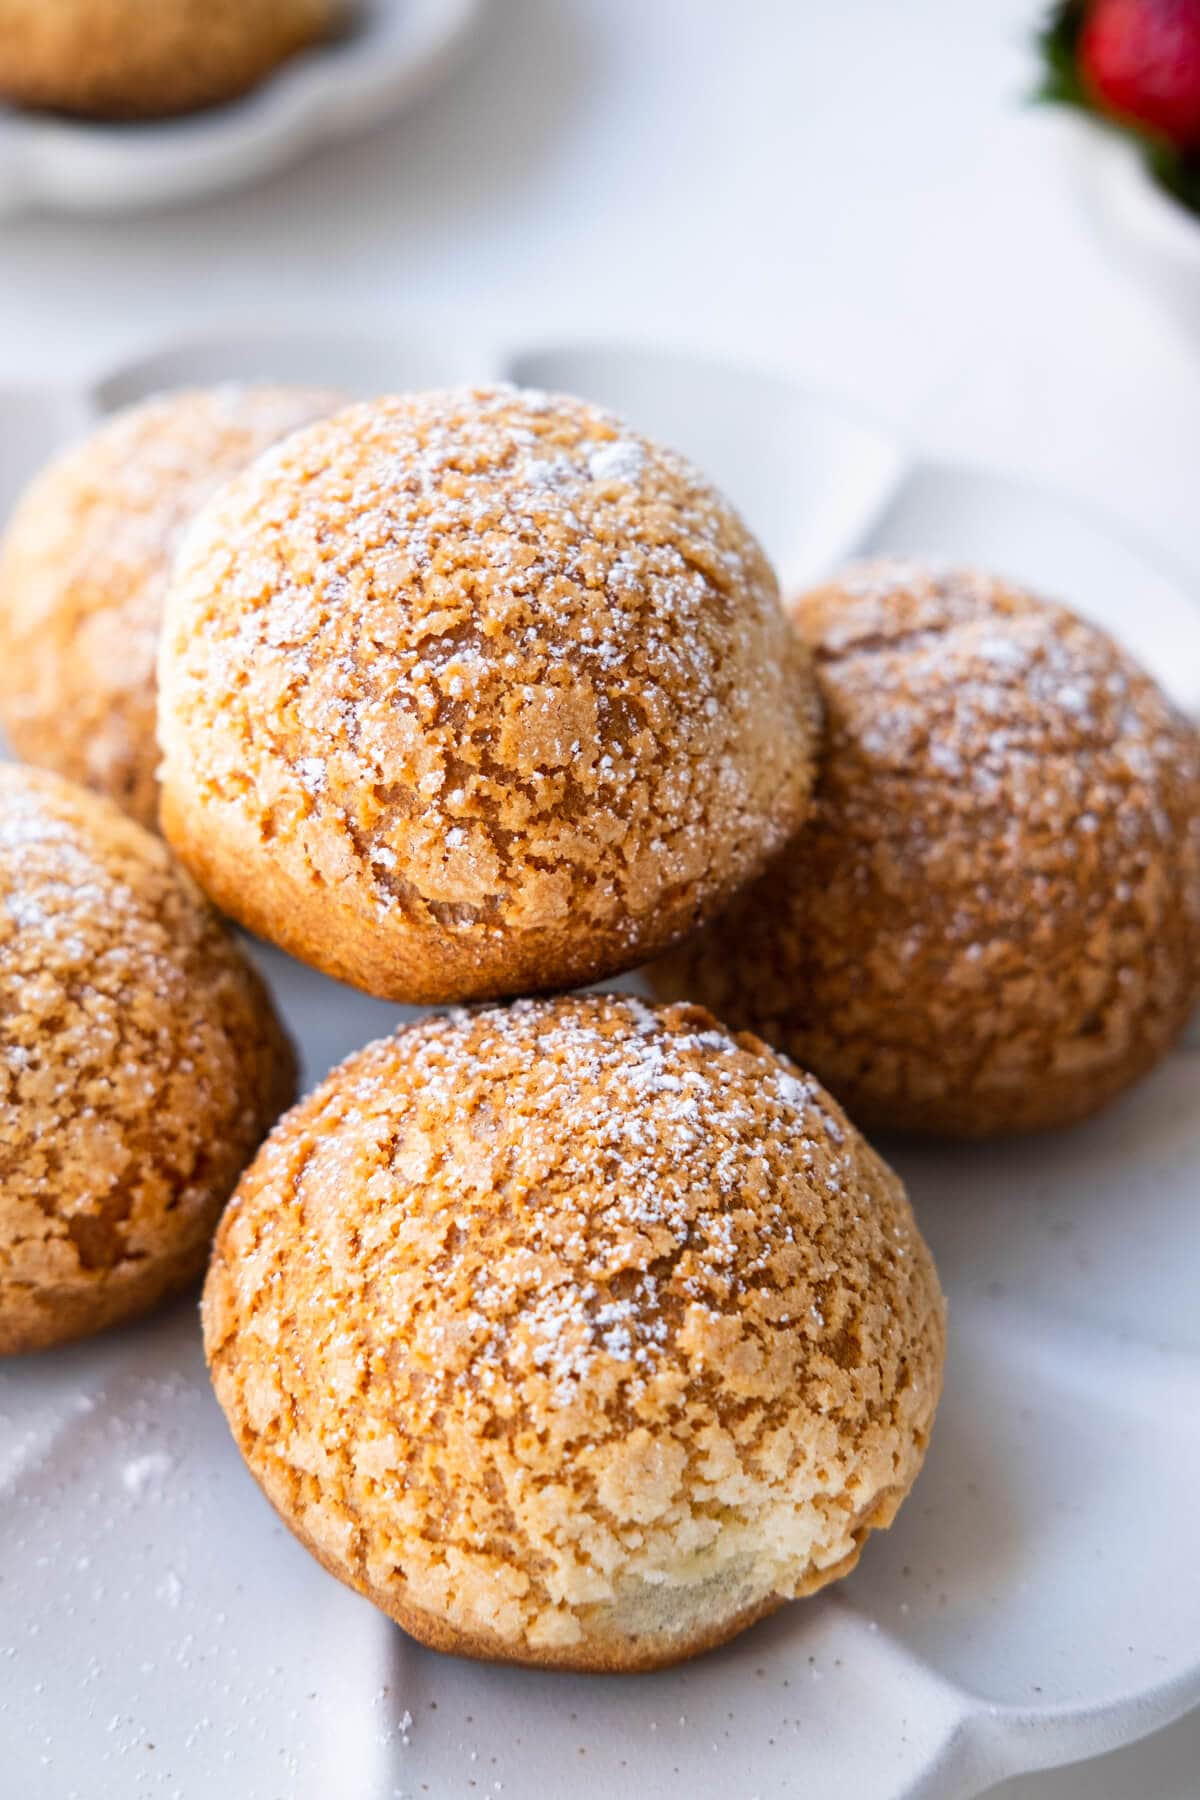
point(852, 189)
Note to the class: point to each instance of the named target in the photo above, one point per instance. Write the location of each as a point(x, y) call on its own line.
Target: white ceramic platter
point(1036, 1601)
point(396, 49)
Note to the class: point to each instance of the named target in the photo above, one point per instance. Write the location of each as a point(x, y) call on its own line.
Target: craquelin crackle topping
point(992, 919)
point(84, 568)
point(504, 684)
point(527, 1310)
point(140, 1063)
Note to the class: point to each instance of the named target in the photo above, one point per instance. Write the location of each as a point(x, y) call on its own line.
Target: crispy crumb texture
point(83, 576)
point(992, 921)
point(130, 59)
point(475, 693)
point(140, 1060)
point(579, 1332)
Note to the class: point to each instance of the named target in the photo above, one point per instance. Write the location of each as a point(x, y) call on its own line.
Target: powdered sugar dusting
point(84, 569)
point(531, 1311)
point(990, 921)
point(940, 668)
point(137, 1060)
point(663, 1151)
point(495, 654)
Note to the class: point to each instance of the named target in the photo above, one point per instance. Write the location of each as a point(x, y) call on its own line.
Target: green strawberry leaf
point(1057, 41)
point(1180, 175)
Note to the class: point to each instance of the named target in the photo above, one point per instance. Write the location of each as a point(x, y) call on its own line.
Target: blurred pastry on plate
point(144, 59)
point(141, 1063)
point(83, 574)
point(991, 922)
point(477, 692)
point(579, 1333)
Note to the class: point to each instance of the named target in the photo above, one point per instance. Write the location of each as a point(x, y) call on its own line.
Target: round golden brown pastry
point(579, 1333)
point(140, 59)
point(992, 921)
point(475, 693)
point(83, 574)
point(140, 1058)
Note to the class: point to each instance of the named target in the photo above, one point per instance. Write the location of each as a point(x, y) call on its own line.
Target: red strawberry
point(1140, 59)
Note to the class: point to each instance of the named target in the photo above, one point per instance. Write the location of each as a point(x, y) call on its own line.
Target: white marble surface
point(855, 192)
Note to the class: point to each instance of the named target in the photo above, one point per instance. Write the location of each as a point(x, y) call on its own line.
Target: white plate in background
point(395, 51)
point(1148, 232)
point(160, 1632)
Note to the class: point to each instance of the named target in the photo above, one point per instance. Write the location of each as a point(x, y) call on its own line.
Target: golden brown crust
point(473, 693)
point(598, 1656)
point(140, 1058)
point(592, 1657)
point(83, 576)
point(141, 59)
point(614, 1654)
point(577, 1333)
point(992, 921)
